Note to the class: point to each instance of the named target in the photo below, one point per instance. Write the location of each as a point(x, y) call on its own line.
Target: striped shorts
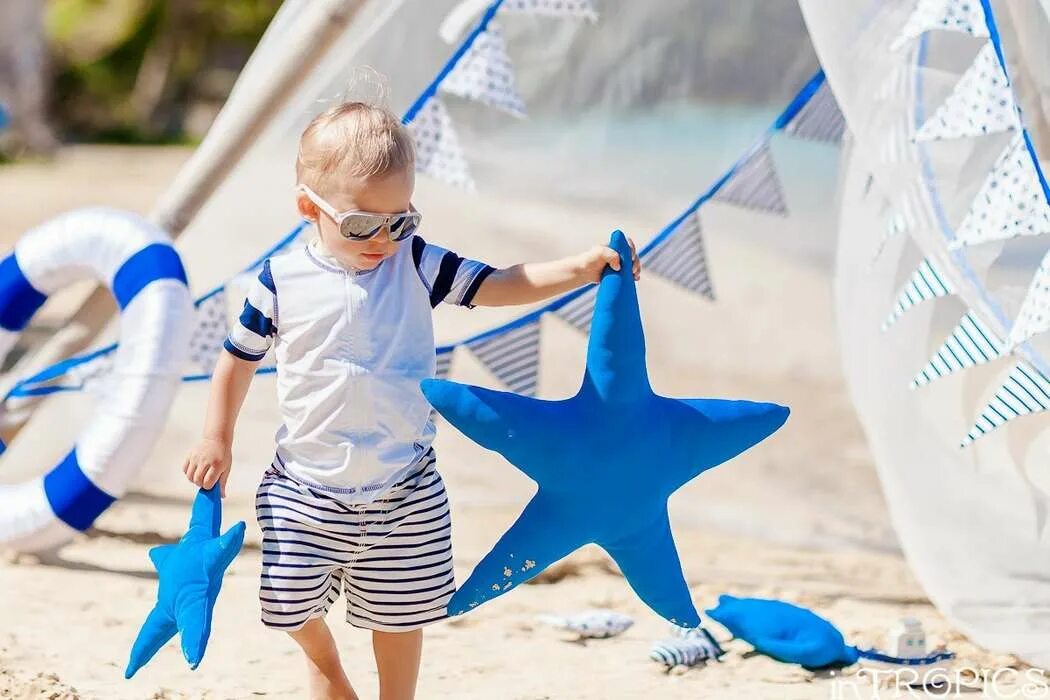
point(392, 559)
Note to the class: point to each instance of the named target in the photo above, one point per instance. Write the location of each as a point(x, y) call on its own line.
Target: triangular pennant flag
point(820, 119)
point(950, 15)
point(981, 103)
point(485, 74)
point(754, 184)
point(578, 312)
point(210, 331)
point(925, 283)
point(443, 366)
point(1034, 317)
point(584, 9)
point(681, 259)
point(438, 153)
point(513, 356)
point(971, 343)
point(1010, 203)
point(1025, 391)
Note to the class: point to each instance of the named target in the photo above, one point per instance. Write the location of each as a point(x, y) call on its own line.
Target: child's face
point(389, 194)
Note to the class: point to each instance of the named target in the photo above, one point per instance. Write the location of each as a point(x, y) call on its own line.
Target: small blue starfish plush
point(605, 460)
point(190, 574)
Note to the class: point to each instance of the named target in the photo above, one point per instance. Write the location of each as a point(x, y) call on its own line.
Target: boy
point(353, 502)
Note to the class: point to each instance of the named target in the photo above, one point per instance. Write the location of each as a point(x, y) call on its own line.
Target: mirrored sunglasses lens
point(404, 226)
point(361, 226)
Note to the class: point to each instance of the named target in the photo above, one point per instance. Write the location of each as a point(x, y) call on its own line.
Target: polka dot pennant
point(485, 74)
point(438, 153)
point(210, 332)
point(981, 103)
point(583, 9)
point(1034, 317)
point(1010, 203)
point(949, 15)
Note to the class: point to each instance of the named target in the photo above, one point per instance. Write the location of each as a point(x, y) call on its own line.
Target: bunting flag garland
point(754, 183)
point(485, 74)
point(513, 357)
point(210, 331)
point(950, 15)
point(971, 343)
point(680, 258)
point(1010, 203)
point(820, 119)
point(1034, 317)
point(981, 103)
point(438, 153)
point(578, 312)
point(925, 283)
point(582, 9)
point(1025, 391)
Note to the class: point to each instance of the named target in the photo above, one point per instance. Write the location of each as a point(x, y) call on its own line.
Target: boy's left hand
point(593, 262)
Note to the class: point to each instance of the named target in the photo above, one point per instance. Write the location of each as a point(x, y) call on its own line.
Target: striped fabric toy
point(591, 624)
point(688, 647)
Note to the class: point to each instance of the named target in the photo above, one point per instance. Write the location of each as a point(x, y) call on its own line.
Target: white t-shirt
point(351, 349)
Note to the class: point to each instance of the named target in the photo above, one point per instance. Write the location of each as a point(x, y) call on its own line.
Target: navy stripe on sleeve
point(472, 290)
point(256, 321)
point(266, 277)
point(446, 277)
point(237, 352)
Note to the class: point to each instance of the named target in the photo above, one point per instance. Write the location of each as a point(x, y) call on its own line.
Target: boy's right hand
point(209, 462)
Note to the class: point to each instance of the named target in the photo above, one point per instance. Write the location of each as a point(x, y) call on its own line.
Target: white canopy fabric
point(971, 521)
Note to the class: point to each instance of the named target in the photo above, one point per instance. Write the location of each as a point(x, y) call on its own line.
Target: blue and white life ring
point(137, 262)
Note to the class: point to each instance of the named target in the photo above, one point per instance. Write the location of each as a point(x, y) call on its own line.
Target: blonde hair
point(355, 140)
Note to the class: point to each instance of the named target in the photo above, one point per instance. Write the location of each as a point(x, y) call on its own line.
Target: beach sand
point(800, 517)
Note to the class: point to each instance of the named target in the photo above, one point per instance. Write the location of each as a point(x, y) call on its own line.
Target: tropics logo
point(960, 682)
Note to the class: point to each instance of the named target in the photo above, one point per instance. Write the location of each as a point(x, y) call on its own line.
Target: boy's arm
point(530, 282)
point(210, 460)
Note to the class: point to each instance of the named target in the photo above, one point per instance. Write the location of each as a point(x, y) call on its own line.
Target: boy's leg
point(397, 658)
point(328, 681)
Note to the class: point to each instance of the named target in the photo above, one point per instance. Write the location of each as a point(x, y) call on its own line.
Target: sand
point(800, 517)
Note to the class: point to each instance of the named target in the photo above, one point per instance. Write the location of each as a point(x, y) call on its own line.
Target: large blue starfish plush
point(605, 460)
point(190, 574)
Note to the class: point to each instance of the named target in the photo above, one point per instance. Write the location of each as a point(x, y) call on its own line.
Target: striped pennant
point(582, 9)
point(820, 119)
point(981, 103)
point(443, 364)
point(485, 74)
point(578, 312)
point(211, 329)
point(680, 258)
point(1034, 317)
point(513, 357)
point(950, 15)
point(971, 343)
point(754, 184)
point(438, 153)
point(1025, 391)
point(925, 283)
point(1010, 203)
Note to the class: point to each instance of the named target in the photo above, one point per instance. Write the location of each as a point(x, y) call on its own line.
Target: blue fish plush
point(784, 631)
point(190, 574)
point(605, 460)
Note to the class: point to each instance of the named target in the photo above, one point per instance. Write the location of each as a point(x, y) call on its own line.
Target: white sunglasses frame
point(340, 216)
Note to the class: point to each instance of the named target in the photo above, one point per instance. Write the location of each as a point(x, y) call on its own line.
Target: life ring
point(138, 264)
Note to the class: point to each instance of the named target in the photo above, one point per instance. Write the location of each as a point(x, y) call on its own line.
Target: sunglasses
point(363, 225)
